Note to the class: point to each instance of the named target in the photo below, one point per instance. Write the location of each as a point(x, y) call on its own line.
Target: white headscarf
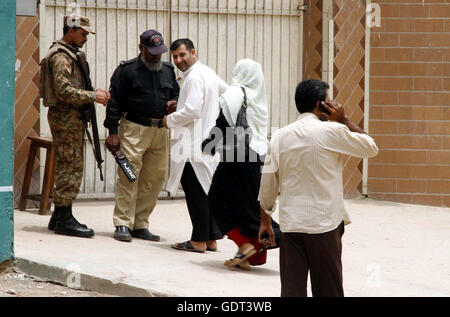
point(248, 74)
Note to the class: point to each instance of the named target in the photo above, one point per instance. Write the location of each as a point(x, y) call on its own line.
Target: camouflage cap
point(79, 22)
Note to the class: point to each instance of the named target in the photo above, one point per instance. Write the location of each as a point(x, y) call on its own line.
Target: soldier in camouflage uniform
point(64, 92)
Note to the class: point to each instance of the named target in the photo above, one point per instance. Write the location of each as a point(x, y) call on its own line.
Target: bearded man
point(143, 90)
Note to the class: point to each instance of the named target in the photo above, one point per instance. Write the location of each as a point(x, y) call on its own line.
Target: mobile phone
point(264, 237)
point(322, 108)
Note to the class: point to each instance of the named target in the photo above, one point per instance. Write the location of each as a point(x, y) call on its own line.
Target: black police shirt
point(139, 92)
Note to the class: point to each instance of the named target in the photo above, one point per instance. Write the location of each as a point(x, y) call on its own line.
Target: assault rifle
point(89, 113)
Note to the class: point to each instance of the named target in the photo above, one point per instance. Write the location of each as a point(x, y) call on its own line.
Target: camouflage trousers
point(67, 127)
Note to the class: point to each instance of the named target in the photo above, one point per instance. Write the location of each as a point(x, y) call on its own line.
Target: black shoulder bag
point(242, 132)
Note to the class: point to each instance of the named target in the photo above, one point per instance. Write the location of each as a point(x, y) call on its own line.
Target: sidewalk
point(389, 249)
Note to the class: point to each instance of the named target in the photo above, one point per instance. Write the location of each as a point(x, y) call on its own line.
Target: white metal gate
point(224, 31)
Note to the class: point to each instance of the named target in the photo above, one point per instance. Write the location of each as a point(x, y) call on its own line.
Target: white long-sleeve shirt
point(304, 163)
point(196, 114)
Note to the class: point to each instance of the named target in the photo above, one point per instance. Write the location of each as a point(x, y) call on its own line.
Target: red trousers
point(259, 258)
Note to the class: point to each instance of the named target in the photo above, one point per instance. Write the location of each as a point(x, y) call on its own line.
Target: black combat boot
point(69, 226)
point(54, 218)
point(81, 224)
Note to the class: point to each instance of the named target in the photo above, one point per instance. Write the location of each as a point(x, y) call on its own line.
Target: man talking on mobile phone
point(304, 164)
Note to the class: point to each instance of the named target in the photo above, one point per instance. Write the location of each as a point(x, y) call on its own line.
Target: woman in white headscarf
point(233, 196)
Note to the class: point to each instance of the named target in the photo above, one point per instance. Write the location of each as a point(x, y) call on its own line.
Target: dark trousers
point(318, 253)
point(204, 227)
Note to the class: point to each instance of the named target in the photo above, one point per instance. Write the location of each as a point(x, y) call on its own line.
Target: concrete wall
point(7, 47)
point(410, 103)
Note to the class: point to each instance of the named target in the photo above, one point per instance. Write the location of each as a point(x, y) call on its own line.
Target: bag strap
point(244, 103)
point(241, 120)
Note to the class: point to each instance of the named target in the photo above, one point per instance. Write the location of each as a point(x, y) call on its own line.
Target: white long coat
point(196, 114)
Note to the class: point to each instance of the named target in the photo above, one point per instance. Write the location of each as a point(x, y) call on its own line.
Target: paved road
point(389, 249)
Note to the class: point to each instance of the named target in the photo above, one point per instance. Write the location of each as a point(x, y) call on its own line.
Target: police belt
point(148, 122)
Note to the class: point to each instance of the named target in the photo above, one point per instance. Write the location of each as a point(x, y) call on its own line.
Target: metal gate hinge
point(303, 7)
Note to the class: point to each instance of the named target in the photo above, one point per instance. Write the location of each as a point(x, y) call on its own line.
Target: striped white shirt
point(304, 164)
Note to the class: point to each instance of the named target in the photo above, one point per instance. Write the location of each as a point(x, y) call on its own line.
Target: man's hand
point(102, 96)
point(336, 111)
point(266, 227)
point(113, 142)
point(172, 105)
point(337, 114)
point(165, 122)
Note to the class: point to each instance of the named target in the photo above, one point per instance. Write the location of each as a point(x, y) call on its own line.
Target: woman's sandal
point(244, 266)
point(239, 258)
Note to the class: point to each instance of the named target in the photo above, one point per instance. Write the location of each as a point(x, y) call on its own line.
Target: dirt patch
point(17, 284)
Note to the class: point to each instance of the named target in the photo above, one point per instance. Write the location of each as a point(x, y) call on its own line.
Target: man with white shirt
point(304, 165)
point(196, 113)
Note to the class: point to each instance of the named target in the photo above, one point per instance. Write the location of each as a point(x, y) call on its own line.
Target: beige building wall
point(410, 103)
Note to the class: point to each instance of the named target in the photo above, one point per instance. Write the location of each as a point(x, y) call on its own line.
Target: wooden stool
point(49, 175)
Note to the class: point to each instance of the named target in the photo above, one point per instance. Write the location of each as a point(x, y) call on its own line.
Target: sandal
point(186, 246)
point(239, 258)
point(244, 266)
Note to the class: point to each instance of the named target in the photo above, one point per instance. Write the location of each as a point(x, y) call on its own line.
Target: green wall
point(7, 76)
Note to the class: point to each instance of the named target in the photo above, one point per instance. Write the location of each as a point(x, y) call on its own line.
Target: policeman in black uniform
point(143, 90)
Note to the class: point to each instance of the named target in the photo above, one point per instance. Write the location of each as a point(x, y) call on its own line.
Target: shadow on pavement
point(219, 267)
point(38, 229)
